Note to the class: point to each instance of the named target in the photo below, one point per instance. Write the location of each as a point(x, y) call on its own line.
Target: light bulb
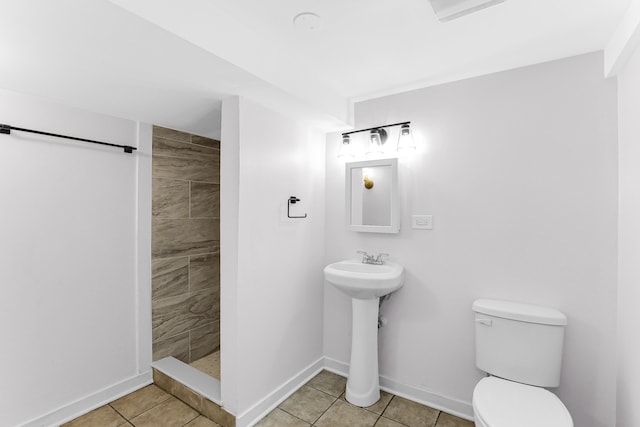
point(405, 140)
point(346, 150)
point(377, 138)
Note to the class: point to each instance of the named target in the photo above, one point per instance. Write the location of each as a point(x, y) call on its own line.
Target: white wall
point(271, 266)
point(628, 392)
point(519, 170)
point(67, 258)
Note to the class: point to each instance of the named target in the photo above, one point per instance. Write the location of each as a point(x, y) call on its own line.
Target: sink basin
point(365, 281)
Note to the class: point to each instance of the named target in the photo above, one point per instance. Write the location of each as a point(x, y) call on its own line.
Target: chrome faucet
point(372, 258)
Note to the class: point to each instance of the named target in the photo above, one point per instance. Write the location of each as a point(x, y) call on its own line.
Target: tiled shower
point(185, 245)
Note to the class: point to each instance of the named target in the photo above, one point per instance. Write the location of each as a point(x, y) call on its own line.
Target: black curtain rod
point(6, 129)
point(376, 127)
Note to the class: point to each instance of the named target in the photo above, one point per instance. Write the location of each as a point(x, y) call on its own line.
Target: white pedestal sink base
point(363, 384)
point(365, 283)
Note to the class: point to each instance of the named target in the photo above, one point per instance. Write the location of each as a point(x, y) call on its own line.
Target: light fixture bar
point(375, 127)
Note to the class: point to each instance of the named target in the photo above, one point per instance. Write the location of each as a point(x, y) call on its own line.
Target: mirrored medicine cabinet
point(371, 196)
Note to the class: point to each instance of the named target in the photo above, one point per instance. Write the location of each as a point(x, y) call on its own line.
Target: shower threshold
point(191, 377)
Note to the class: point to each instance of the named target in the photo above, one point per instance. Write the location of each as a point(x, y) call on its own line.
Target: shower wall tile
point(178, 314)
point(204, 340)
point(185, 244)
point(186, 169)
point(205, 200)
point(169, 277)
point(176, 346)
point(204, 271)
point(207, 142)
point(160, 132)
point(179, 237)
point(168, 147)
point(170, 198)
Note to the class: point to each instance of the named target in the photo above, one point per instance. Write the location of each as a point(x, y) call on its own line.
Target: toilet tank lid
point(518, 311)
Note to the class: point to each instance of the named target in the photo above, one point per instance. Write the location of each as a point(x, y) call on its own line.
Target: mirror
point(371, 190)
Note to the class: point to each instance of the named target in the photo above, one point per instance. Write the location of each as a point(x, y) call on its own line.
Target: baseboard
point(91, 402)
point(417, 394)
point(269, 403)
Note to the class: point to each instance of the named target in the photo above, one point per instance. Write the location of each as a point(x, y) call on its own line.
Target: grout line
point(145, 411)
point(185, 180)
point(199, 414)
point(295, 416)
point(387, 405)
point(437, 418)
point(189, 272)
point(117, 412)
point(326, 410)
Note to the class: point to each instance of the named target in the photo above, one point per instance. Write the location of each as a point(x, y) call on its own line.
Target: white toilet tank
point(519, 342)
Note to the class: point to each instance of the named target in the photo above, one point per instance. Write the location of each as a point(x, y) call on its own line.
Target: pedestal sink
point(365, 284)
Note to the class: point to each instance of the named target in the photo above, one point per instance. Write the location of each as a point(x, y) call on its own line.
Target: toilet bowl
point(503, 403)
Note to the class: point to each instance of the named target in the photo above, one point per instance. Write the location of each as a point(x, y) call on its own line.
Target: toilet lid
point(502, 403)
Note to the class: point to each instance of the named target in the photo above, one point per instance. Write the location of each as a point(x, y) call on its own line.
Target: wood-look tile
point(180, 237)
point(140, 401)
point(174, 315)
point(104, 416)
point(170, 413)
point(329, 382)
point(279, 418)
point(169, 277)
point(448, 420)
point(411, 413)
point(204, 271)
point(207, 142)
point(380, 405)
point(170, 198)
point(202, 422)
point(216, 413)
point(209, 364)
point(205, 200)
point(307, 403)
point(161, 132)
point(205, 339)
point(171, 148)
point(176, 346)
point(342, 414)
point(202, 170)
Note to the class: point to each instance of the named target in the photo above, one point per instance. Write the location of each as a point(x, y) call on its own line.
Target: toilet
point(520, 347)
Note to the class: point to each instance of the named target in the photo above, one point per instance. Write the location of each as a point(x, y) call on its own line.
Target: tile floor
point(209, 365)
point(319, 403)
point(148, 407)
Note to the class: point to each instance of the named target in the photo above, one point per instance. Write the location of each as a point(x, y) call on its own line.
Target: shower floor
point(209, 365)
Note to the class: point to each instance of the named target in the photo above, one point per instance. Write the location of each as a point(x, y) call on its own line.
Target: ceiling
point(171, 62)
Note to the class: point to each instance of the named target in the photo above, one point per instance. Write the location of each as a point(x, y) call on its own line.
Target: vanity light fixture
point(346, 149)
point(377, 138)
point(405, 140)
